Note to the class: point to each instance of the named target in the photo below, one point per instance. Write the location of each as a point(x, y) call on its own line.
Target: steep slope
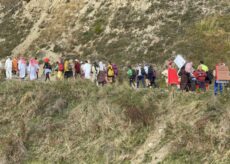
point(55, 123)
point(122, 31)
point(76, 122)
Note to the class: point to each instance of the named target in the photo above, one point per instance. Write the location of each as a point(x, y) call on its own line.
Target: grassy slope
point(76, 121)
point(13, 29)
point(72, 122)
point(181, 27)
point(193, 33)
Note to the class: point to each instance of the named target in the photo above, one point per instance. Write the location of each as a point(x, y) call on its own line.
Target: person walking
point(218, 84)
point(110, 73)
point(47, 70)
point(140, 75)
point(66, 68)
point(184, 76)
point(95, 72)
point(151, 77)
point(102, 74)
point(87, 70)
point(77, 67)
point(33, 69)
point(200, 76)
point(60, 70)
point(15, 66)
point(132, 76)
point(22, 68)
point(8, 68)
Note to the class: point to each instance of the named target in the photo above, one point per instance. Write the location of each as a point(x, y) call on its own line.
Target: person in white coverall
point(87, 70)
point(8, 68)
point(22, 68)
point(33, 68)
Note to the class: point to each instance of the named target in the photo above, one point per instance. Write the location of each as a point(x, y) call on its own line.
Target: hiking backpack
point(143, 71)
point(134, 73)
point(209, 76)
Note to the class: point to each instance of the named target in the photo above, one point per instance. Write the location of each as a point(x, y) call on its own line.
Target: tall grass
point(76, 121)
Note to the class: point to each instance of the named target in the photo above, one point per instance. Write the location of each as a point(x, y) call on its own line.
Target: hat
point(76, 60)
point(46, 60)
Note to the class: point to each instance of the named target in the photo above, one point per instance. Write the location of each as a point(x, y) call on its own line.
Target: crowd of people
point(189, 79)
point(185, 78)
point(97, 72)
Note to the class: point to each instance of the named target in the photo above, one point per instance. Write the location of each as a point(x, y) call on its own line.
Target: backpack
point(60, 67)
point(47, 66)
point(130, 73)
point(143, 71)
point(115, 69)
point(134, 74)
point(70, 66)
point(201, 76)
point(209, 76)
point(110, 71)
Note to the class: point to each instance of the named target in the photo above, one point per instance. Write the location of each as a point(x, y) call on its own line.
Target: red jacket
point(77, 67)
point(200, 75)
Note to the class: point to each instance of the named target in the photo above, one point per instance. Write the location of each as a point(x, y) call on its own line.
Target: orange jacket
point(15, 64)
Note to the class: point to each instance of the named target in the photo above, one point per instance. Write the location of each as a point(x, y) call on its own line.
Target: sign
point(179, 61)
point(222, 73)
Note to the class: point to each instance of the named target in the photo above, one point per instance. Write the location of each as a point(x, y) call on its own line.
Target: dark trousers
point(47, 76)
point(132, 81)
point(68, 74)
point(153, 82)
point(201, 85)
point(142, 79)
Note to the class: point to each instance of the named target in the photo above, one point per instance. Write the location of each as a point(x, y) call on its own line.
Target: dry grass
point(78, 122)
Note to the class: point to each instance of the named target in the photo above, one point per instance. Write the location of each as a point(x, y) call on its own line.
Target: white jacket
point(8, 64)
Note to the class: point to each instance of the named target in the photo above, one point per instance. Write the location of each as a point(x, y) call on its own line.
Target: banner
point(222, 73)
point(179, 61)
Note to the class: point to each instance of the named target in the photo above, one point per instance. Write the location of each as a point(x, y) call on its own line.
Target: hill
point(76, 122)
point(121, 31)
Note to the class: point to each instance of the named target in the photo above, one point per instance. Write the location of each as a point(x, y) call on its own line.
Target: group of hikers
point(186, 78)
point(189, 79)
point(97, 72)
